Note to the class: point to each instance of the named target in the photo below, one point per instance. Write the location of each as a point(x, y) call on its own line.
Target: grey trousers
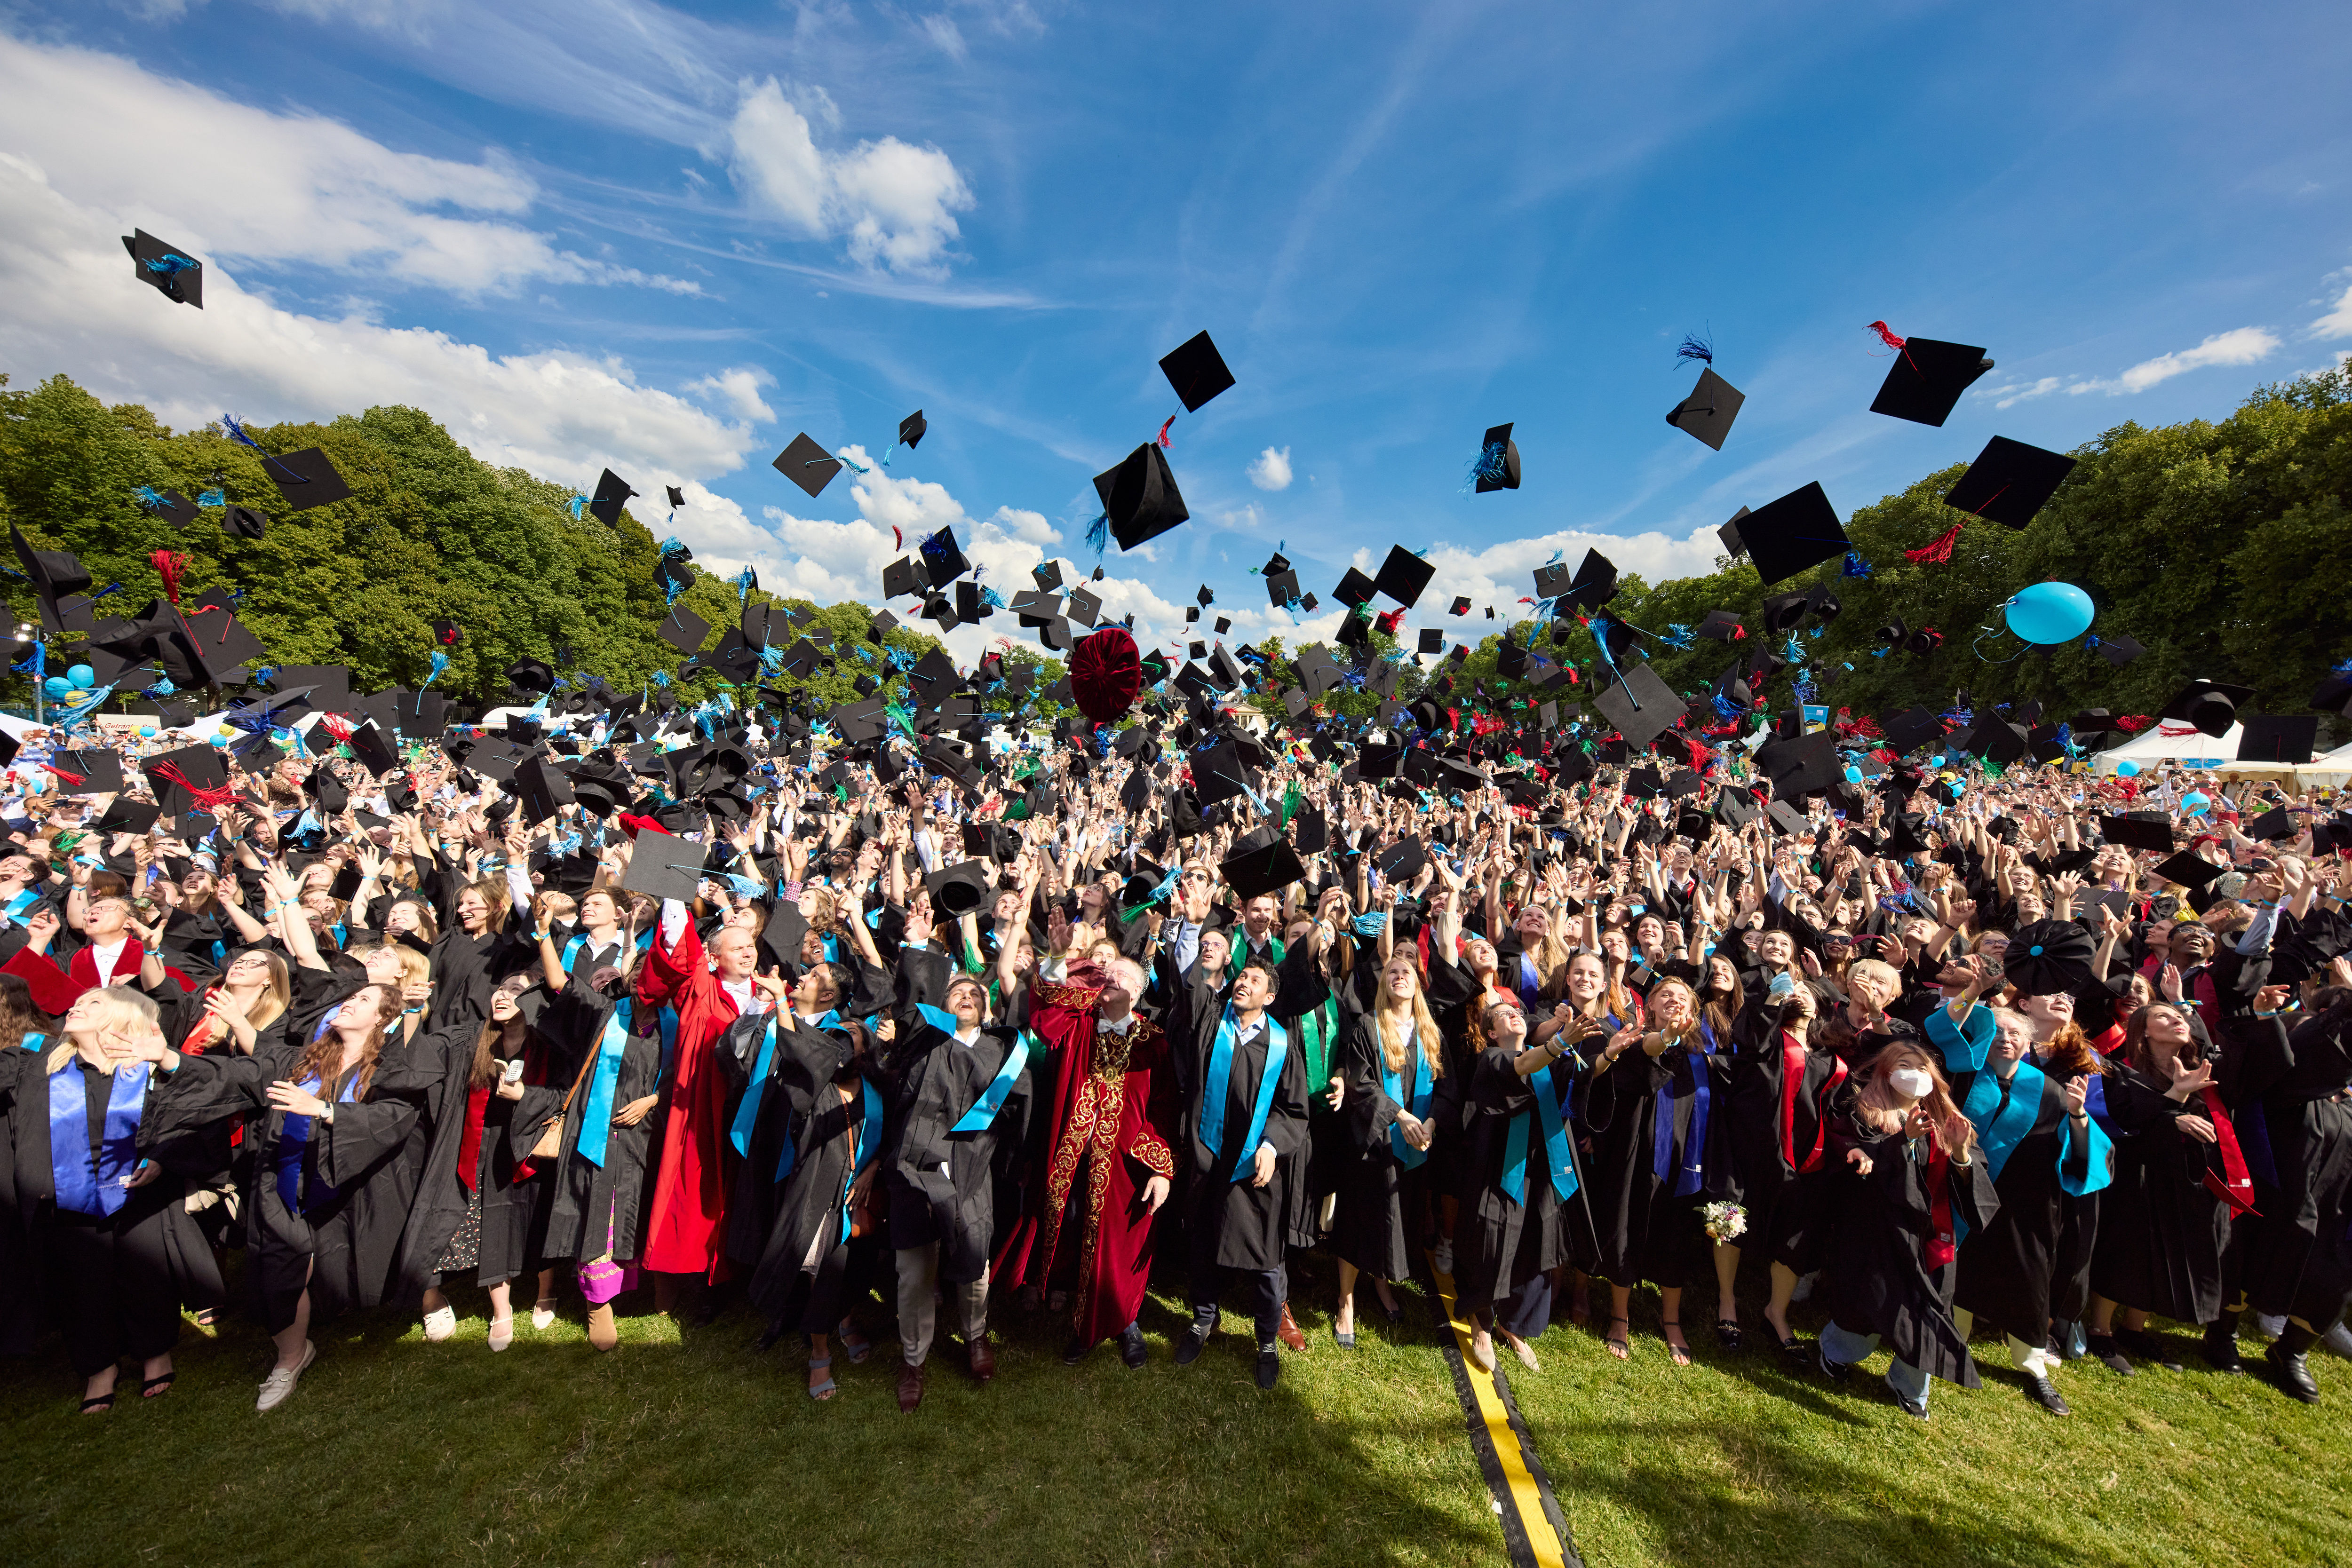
point(918, 1273)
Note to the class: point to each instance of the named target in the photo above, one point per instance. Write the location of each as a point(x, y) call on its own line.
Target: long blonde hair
point(1394, 1043)
point(121, 1005)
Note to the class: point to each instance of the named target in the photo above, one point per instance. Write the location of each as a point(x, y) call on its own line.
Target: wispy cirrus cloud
point(2239, 346)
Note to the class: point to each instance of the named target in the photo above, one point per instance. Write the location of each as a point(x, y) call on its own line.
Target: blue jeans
point(1846, 1347)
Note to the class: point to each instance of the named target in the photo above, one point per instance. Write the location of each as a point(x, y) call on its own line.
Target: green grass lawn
point(685, 1447)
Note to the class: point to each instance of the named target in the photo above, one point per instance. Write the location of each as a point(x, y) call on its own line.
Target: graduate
point(2303, 1270)
point(1244, 1124)
point(1394, 1066)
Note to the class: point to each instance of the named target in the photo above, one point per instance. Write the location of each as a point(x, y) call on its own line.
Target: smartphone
point(514, 1071)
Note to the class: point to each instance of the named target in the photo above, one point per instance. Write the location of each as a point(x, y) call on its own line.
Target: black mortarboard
point(612, 493)
point(1995, 739)
point(374, 750)
point(2277, 737)
point(1433, 640)
point(1710, 410)
point(169, 507)
point(1797, 531)
point(202, 766)
point(2210, 706)
point(2120, 650)
point(1641, 708)
point(100, 772)
point(1498, 461)
point(957, 889)
point(1139, 497)
point(2047, 956)
point(2138, 833)
point(2187, 870)
point(1733, 545)
point(663, 866)
point(912, 430)
point(169, 270)
point(2271, 826)
point(1790, 818)
point(124, 815)
point(1926, 379)
point(943, 559)
point(683, 629)
point(1595, 583)
point(1085, 607)
point(53, 572)
point(449, 634)
point(1403, 576)
point(1354, 589)
point(1265, 870)
point(530, 675)
point(2010, 482)
point(902, 577)
point(306, 479)
point(541, 789)
point(677, 496)
point(808, 465)
point(1402, 861)
point(1800, 767)
point(1196, 371)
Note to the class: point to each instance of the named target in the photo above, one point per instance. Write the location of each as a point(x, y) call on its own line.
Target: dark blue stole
point(293, 1140)
point(1220, 1073)
point(1693, 1169)
point(86, 1180)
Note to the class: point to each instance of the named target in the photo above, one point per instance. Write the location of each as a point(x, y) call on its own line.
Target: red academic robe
point(56, 989)
point(689, 1209)
point(1113, 1103)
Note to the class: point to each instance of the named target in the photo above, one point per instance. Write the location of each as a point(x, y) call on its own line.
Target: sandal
point(1681, 1353)
point(826, 1389)
point(858, 1345)
point(1622, 1349)
point(1727, 1333)
point(156, 1387)
point(99, 1406)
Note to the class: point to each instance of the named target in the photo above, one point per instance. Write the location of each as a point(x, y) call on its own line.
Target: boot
point(2220, 1347)
point(2285, 1359)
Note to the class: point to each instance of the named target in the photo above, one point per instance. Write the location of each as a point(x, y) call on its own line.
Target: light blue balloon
point(58, 687)
point(220, 740)
point(1936, 760)
point(2050, 612)
point(146, 732)
point(82, 676)
point(2128, 769)
point(1853, 775)
point(2195, 802)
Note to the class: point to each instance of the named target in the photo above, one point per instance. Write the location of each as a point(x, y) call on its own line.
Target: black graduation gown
point(600, 1209)
point(804, 1271)
point(2302, 1267)
point(1499, 1244)
point(956, 1189)
point(504, 1204)
point(1645, 1229)
point(467, 969)
point(1380, 1216)
point(2162, 1232)
point(371, 1155)
point(113, 1281)
point(1303, 992)
point(1240, 1225)
point(1786, 1217)
point(752, 1200)
point(2013, 1273)
point(1881, 1225)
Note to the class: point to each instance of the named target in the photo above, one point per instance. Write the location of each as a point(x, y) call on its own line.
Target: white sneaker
point(281, 1380)
point(440, 1324)
point(1804, 1286)
point(499, 1341)
point(542, 1315)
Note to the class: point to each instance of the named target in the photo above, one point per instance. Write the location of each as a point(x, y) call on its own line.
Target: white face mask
point(1913, 1082)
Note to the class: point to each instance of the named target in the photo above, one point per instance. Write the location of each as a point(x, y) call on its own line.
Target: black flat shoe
point(1269, 1368)
point(2148, 1347)
point(1076, 1352)
point(1727, 1333)
point(1914, 1408)
point(2288, 1369)
point(2108, 1353)
point(1834, 1371)
point(1130, 1347)
point(2044, 1393)
point(1189, 1348)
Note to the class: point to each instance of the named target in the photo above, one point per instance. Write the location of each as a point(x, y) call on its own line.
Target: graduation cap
point(1783, 611)
point(943, 560)
point(90, 772)
point(1733, 545)
point(447, 634)
point(1354, 589)
point(663, 866)
point(1641, 706)
point(2210, 706)
point(2010, 482)
point(808, 465)
point(176, 776)
point(683, 629)
point(2277, 737)
point(2271, 826)
point(306, 479)
point(902, 577)
point(167, 269)
point(677, 496)
point(124, 815)
point(2138, 833)
point(1196, 371)
point(1802, 766)
point(1497, 467)
point(1710, 410)
point(1797, 531)
point(958, 890)
point(1995, 739)
point(54, 573)
point(1403, 576)
point(1310, 832)
point(612, 492)
point(1085, 607)
point(541, 789)
point(374, 750)
point(912, 430)
point(1926, 378)
point(1433, 640)
point(1402, 861)
point(244, 523)
point(2049, 956)
point(530, 675)
point(1139, 498)
point(1268, 869)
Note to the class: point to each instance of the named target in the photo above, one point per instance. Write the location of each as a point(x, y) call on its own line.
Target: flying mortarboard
point(1354, 589)
point(912, 430)
point(2277, 737)
point(677, 496)
point(1498, 461)
point(2010, 482)
point(683, 629)
point(244, 523)
point(808, 465)
point(306, 479)
point(1733, 545)
point(2210, 706)
point(1710, 410)
point(170, 271)
point(2138, 833)
point(1140, 497)
point(1797, 531)
point(1265, 870)
point(1403, 576)
point(1196, 371)
point(1642, 707)
point(1926, 378)
point(612, 493)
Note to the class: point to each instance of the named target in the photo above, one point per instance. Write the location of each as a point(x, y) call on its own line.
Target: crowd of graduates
point(2027, 1059)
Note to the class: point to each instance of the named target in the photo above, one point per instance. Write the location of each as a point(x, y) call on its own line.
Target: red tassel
point(170, 564)
point(1886, 335)
point(1163, 429)
point(213, 799)
point(1390, 621)
point(2134, 723)
point(897, 538)
point(1938, 551)
point(340, 728)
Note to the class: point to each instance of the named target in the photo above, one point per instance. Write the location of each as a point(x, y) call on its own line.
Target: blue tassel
point(1854, 565)
point(1491, 463)
point(212, 498)
point(170, 264)
point(1696, 347)
point(232, 428)
point(266, 673)
point(745, 581)
point(1099, 534)
point(990, 598)
point(162, 687)
point(2344, 670)
point(577, 506)
point(150, 497)
point(1677, 635)
point(1726, 710)
point(661, 678)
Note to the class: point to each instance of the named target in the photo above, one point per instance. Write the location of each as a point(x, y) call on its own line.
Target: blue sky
point(669, 238)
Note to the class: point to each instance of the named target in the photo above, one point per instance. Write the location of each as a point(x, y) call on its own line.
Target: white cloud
point(231, 182)
point(74, 305)
point(2338, 322)
point(947, 36)
point(2019, 392)
point(2239, 346)
point(739, 389)
point(1272, 469)
point(892, 202)
point(1502, 574)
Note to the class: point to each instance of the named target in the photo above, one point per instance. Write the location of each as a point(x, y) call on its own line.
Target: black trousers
point(1269, 1289)
point(115, 1279)
point(1526, 1312)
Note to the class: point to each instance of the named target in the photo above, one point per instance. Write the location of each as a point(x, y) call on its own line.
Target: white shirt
point(104, 956)
point(968, 1036)
point(1121, 1026)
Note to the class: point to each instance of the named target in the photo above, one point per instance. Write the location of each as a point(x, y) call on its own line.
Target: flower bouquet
point(1725, 1221)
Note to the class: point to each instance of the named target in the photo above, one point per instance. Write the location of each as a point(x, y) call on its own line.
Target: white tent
point(2151, 746)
